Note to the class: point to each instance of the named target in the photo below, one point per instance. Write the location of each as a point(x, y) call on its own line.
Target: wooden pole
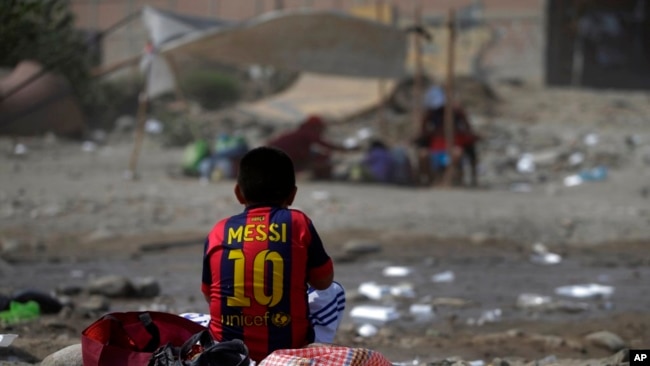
point(141, 119)
point(417, 77)
point(143, 101)
point(381, 88)
point(423, 168)
point(449, 100)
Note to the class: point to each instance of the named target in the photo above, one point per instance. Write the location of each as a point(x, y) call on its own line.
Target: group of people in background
point(376, 160)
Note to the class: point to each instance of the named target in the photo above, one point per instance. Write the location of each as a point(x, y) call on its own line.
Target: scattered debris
point(592, 290)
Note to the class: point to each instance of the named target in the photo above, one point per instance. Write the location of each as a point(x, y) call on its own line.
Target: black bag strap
point(203, 338)
point(149, 325)
point(228, 353)
point(165, 356)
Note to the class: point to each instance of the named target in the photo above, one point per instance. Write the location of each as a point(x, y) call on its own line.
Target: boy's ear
point(292, 196)
point(239, 195)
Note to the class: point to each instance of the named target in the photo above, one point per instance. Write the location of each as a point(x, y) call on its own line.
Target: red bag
point(130, 338)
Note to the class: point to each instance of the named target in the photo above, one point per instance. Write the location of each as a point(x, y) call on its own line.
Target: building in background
point(598, 44)
point(510, 44)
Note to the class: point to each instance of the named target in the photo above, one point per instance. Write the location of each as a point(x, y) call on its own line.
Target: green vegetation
point(211, 89)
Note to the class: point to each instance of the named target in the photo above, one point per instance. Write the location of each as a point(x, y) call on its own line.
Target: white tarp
point(343, 58)
point(164, 27)
point(311, 41)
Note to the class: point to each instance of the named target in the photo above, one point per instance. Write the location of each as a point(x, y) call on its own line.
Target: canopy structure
point(321, 42)
point(341, 57)
point(336, 97)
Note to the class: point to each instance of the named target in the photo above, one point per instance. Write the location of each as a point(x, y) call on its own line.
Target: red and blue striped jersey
point(256, 267)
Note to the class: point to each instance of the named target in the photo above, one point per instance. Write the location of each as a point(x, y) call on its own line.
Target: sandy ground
point(68, 216)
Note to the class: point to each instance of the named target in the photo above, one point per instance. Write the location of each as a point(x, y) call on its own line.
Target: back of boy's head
point(266, 175)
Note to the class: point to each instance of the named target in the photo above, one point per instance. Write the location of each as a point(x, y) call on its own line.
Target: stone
point(69, 356)
point(607, 340)
point(111, 286)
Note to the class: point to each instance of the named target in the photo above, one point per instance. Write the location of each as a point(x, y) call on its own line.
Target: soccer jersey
point(256, 266)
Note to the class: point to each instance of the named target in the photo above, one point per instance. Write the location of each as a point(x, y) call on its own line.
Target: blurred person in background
point(308, 148)
point(436, 159)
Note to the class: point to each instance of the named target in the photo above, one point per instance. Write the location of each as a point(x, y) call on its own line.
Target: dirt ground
point(69, 216)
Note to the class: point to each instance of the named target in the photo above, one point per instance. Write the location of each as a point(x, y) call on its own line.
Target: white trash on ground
point(528, 300)
point(7, 339)
point(374, 314)
point(447, 276)
point(591, 290)
point(403, 290)
point(541, 255)
point(396, 271)
point(367, 330)
point(421, 311)
point(374, 291)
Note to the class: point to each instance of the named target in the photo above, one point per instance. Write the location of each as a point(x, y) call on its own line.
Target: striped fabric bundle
point(325, 355)
point(326, 311)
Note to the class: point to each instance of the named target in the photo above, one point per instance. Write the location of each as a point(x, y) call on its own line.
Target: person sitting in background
point(227, 150)
point(383, 164)
point(435, 139)
point(308, 149)
point(376, 165)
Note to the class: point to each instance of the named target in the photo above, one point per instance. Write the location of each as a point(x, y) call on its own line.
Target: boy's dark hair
point(266, 175)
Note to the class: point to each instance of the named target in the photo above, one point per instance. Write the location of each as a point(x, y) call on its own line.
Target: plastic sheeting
point(309, 41)
point(335, 97)
point(317, 42)
point(343, 58)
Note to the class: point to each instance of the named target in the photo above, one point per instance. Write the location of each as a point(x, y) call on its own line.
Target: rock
point(548, 341)
point(607, 340)
point(356, 247)
point(94, 304)
point(69, 356)
point(499, 362)
point(146, 287)
point(101, 233)
point(479, 238)
point(111, 286)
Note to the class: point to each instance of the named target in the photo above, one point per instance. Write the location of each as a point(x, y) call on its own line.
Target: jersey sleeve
point(206, 278)
point(319, 263)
